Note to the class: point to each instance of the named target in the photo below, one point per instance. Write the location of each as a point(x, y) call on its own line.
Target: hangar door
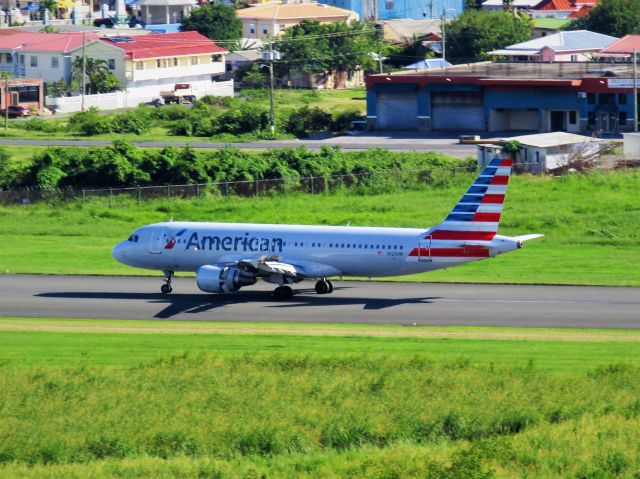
point(457, 110)
point(397, 110)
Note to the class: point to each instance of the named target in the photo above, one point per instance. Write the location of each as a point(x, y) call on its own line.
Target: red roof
point(583, 12)
point(164, 45)
point(46, 42)
point(554, 5)
point(625, 45)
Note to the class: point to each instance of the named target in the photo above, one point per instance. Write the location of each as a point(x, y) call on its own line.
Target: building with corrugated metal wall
point(488, 97)
point(390, 9)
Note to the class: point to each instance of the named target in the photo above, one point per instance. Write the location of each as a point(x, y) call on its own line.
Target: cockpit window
point(133, 238)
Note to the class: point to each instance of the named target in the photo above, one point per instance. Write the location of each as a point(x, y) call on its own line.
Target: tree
point(98, 76)
point(217, 22)
point(476, 32)
point(611, 17)
point(311, 47)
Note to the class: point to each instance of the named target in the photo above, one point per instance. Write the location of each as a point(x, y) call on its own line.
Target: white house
point(542, 152)
point(153, 63)
point(42, 55)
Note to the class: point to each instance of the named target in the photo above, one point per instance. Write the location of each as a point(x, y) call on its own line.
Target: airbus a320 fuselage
point(229, 256)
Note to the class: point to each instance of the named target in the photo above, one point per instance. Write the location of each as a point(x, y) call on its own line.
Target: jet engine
point(216, 279)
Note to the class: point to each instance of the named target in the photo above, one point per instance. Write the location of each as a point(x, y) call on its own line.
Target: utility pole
point(444, 41)
point(5, 75)
point(84, 68)
point(272, 113)
point(635, 90)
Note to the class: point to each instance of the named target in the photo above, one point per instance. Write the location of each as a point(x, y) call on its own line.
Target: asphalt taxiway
point(352, 302)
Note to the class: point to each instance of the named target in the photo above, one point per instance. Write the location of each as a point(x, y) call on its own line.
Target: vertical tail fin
point(477, 214)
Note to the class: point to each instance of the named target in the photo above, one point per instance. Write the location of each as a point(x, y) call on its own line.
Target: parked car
point(15, 111)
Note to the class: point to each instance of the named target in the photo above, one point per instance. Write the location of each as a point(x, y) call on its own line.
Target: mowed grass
point(123, 344)
point(101, 404)
point(590, 223)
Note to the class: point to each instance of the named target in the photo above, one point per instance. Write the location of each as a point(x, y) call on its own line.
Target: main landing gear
point(324, 286)
point(283, 292)
point(166, 287)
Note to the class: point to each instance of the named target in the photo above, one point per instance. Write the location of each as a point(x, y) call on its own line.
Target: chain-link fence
point(374, 182)
point(368, 181)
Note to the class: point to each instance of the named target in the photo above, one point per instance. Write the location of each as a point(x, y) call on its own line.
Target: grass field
point(590, 223)
point(175, 399)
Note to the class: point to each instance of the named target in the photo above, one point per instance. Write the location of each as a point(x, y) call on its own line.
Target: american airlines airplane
point(229, 256)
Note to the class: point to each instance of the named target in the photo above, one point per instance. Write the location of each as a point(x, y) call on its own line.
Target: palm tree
point(98, 77)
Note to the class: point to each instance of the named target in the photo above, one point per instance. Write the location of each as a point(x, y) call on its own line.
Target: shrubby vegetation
point(208, 117)
point(123, 164)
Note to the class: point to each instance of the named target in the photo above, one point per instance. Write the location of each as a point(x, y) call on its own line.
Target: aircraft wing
point(294, 269)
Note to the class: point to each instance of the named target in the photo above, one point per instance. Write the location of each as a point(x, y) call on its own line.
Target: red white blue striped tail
point(477, 214)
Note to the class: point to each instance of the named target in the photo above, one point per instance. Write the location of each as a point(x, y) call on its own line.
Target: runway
point(352, 302)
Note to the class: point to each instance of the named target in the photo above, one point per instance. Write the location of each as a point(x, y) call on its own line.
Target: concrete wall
point(129, 98)
point(631, 146)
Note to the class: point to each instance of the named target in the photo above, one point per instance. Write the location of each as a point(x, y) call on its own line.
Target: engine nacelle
point(214, 279)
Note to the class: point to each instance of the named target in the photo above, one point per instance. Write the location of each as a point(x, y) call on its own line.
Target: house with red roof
point(156, 62)
point(144, 64)
point(622, 49)
point(41, 55)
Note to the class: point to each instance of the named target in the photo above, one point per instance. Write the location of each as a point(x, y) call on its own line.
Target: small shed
point(631, 146)
point(542, 152)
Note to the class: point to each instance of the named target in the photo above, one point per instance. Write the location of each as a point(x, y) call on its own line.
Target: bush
point(90, 122)
point(38, 124)
point(248, 118)
point(135, 122)
point(305, 120)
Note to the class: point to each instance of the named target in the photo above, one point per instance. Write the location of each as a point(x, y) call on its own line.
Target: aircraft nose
point(118, 252)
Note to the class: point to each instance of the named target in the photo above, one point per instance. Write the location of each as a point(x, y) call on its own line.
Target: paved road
point(397, 143)
point(352, 302)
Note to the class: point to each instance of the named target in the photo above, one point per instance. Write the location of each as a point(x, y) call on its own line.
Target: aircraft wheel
point(166, 289)
point(330, 283)
point(282, 292)
point(322, 287)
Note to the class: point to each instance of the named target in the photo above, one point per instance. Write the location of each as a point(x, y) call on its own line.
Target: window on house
point(175, 62)
point(573, 117)
point(194, 60)
point(265, 28)
point(111, 63)
point(389, 4)
point(33, 61)
point(591, 98)
point(139, 65)
point(252, 28)
point(216, 58)
point(9, 57)
point(55, 62)
point(622, 98)
point(28, 93)
point(591, 119)
point(282, 28)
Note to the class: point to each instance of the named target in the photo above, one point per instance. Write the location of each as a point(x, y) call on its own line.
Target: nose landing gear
point(166, 287)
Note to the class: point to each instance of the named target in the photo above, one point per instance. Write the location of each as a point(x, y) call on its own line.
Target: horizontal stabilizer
point(527, 237)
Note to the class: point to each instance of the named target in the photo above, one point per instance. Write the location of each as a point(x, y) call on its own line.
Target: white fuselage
point(322, 251)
